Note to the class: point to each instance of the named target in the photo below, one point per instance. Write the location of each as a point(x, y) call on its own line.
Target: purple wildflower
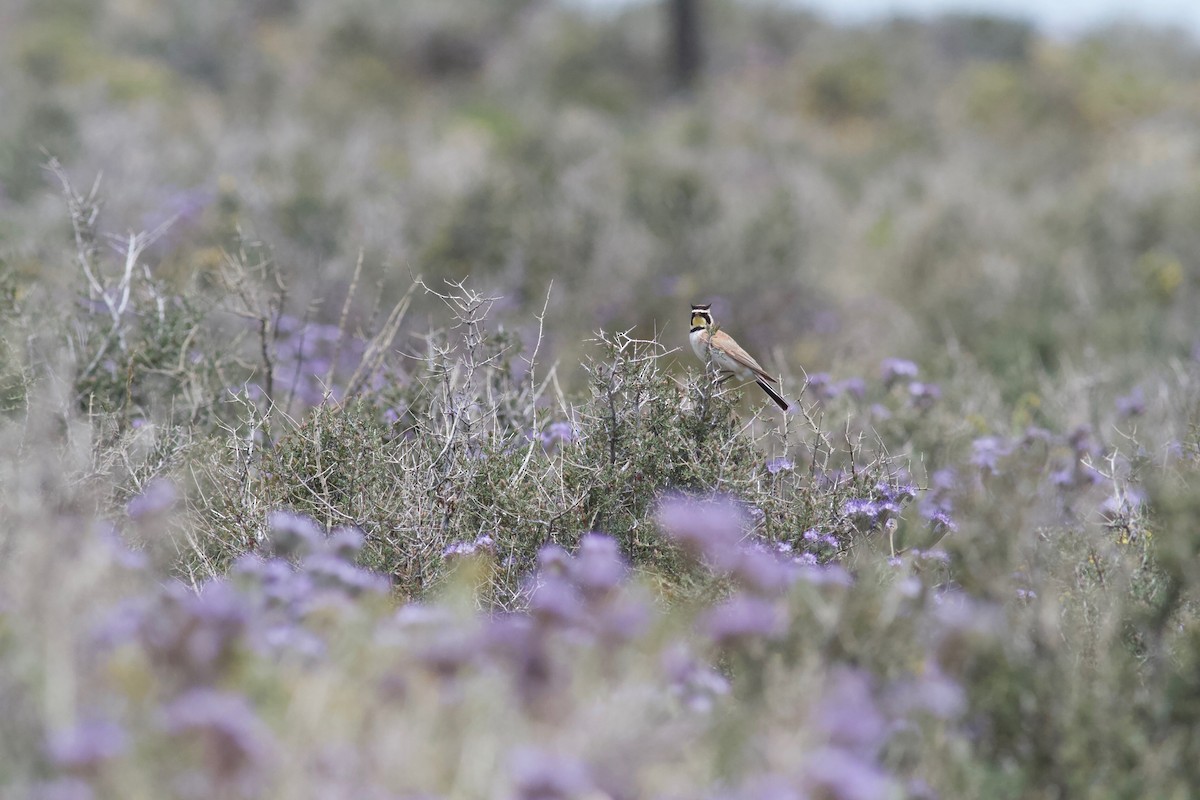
point(122, 555)
point(345, 543)
point(1122, 503)
point(821, 386)
point(709, 529)
point(1132, 404)
point(835, 774)
point(87, 745)
point(894, 370)
point(867, 514)
point(555, 602)
point(761, 572)
point(924, 395)
point(932, 693)
point(598, 567)
point(817, 539)
point(936, 554)
point(538, 775)
point(195, 634)
point(825, 575)
point(855, 387)
point(330, 572)
point(987, 453)
point(157, 497)
point(556, 432)
point(777, 465)
point(847, 715)
point(483, 543)
point(236, 742)
point(292, 534)
point(63, 789)
point(695, 684)
point(940, 520)
point(743, 618)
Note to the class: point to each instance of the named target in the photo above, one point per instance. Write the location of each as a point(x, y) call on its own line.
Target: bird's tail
point(774, 395)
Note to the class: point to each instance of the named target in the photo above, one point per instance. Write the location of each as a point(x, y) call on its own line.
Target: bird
point(730, 358)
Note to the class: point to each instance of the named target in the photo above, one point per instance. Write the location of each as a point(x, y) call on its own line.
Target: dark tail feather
point(774, 395)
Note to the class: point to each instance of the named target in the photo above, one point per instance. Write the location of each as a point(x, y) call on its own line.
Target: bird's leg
point(724, 377)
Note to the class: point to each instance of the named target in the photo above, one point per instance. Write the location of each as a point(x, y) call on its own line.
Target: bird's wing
point(729, 347)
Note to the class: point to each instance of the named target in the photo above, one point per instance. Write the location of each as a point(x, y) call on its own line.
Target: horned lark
point(726, 354)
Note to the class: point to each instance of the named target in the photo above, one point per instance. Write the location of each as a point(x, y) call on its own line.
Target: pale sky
point(1062, 17)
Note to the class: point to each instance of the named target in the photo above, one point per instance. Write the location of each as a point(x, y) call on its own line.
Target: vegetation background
point(352, 446)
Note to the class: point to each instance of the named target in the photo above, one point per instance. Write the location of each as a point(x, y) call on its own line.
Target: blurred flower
point(710, 529)
point(553, 560)
point(835, 774)
point(894, 370)
point(941, 521)
point(621, 619)
point(236, 742)
point(195, 633)
point(86, 745)
point(960, 623)
point(935, 554)
point(855, 387)
point(846, 713)
point(1037, 434)
point(695, 684)
point(538, 775)
point(1075, 475)
point(931, 693)
point(897, 493)
point(817, 539)
point(345, 543)
point(330, 572)
point(760, 571)
point(777, 465)
point(1132, 404)
point(483, 543)
point(292, 535)
point(825, 575)
point(289, 638)
point(987, 453)
point(558, 432)
point(821, 386)
point(867, 513)
point(555, 602)
point(122, 555)
point(924, 395)
point(448, 653)
point(63, 789)
point(156, 498)
point(517, 642)
point(1081, 442)
point(598, 567)
point(1026, 594)
point(743, 618)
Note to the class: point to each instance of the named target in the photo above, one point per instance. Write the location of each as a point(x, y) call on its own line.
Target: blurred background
point(1008, 190)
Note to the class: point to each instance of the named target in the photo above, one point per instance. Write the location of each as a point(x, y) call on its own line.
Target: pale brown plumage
point(727, 354)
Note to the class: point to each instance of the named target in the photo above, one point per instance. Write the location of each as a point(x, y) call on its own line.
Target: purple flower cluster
point(312, 362)
point(896, 370)
point(556, 433)
point(717, 531)
point(483, 543)
point(203, 654)
point(870, 513)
